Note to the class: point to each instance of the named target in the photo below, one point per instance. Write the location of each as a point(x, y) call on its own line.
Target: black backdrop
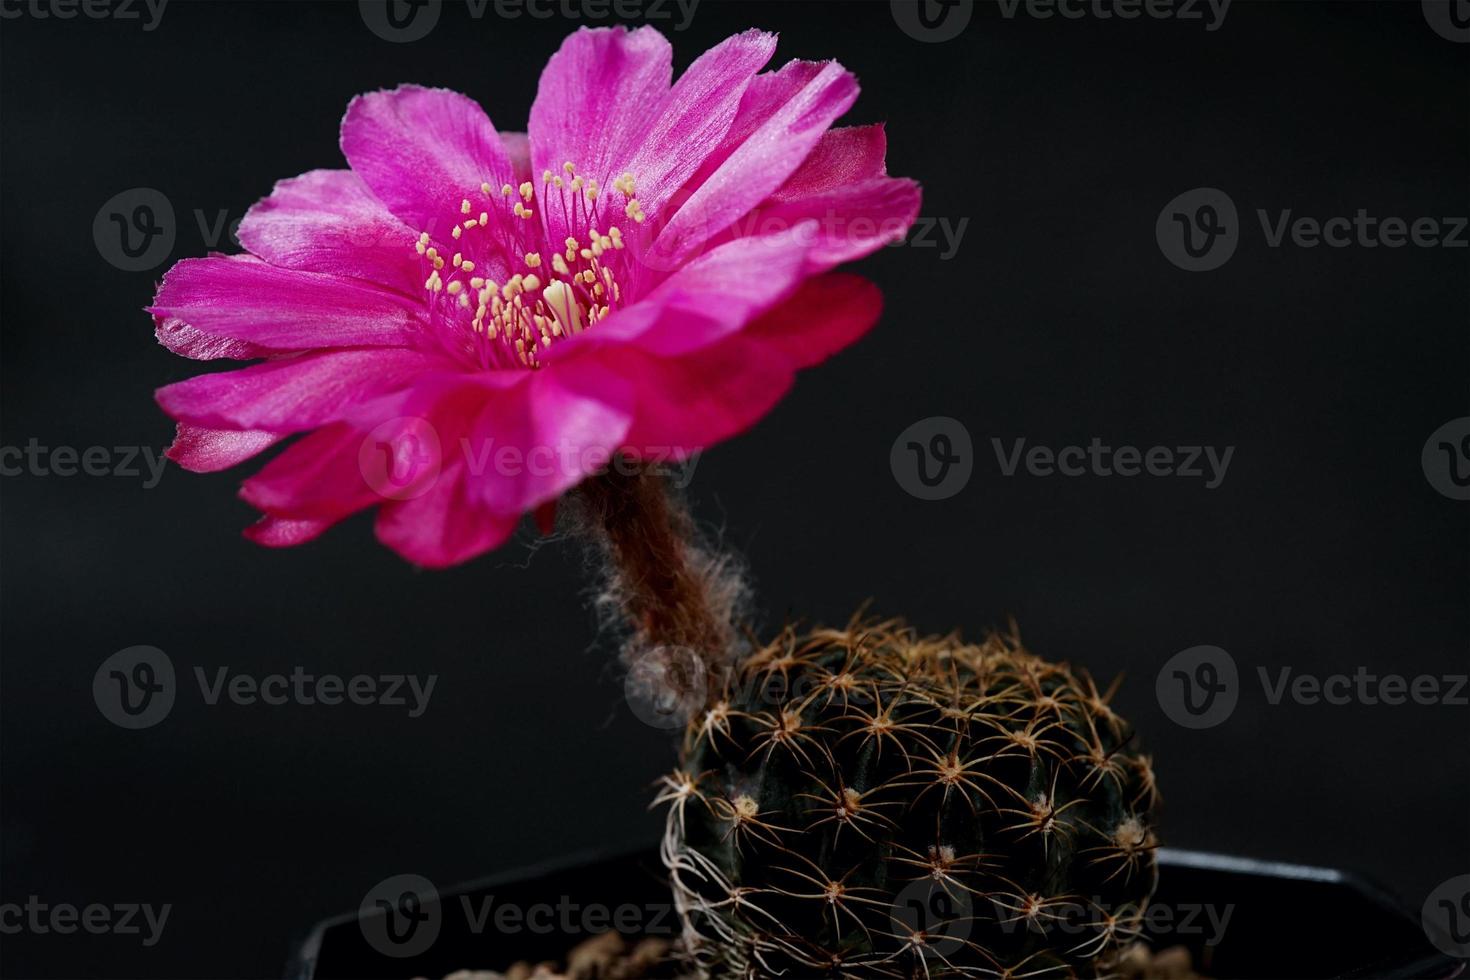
point(1057, 320)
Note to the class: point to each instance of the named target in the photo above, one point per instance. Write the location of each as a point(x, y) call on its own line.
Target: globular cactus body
point(866, 802)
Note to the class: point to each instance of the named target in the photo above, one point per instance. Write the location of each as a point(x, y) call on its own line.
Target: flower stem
point(670, 590)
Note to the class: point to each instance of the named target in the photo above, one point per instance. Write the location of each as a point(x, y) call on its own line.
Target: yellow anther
point(559, 265)
point(557, 182)
point(527, 191)
point(485, 189)
point(484, 218)
point(456, 232)
point(569, 168)
point(464, 206)
point(467, 265)
point(533, 259)
point(546, 176)
point(476, 282)
point(455, 287)
point(458, 260)
point(419, 247)
point(438, 263)
point(532, 283)
point(506, 191)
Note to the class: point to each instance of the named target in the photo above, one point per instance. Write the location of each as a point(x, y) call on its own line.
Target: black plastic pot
point(1284, 921)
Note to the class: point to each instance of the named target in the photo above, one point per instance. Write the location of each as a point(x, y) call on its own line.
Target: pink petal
point(422, 151)
point(843, 186)
point(541, 438)
point(283, 532)
point(807, 101)
point(187, 341)
point(825, 315)
point(707, 300)
point(689, 403)
point(844, 155)
point(296, 393)
point(319, 477)
point(202, 450)
point(443, 526)
point(696, 115)
point(849, 221)
point(328, 221)
point(598, 97)
point(518, 151)
point(242, 298)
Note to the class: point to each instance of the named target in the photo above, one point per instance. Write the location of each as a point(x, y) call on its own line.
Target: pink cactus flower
point(467, 323)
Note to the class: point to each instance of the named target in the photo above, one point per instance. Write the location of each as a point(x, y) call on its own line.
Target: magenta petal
point(319, 477)
point(284, 532)
point(692, 402)
point(759, 164)
point(844, 155)
point(443, 526)
point(518, 151)
point(187, 341)
point(533, 442)
point(422, 151)
point(827, 314)
point(715, 295)
point(202, 450)
point(242, 298)
point(850, 220)
point(598, 97)
point(697, 115)
point(328, 221)
point(296, 393)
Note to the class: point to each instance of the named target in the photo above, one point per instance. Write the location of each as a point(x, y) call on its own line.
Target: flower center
point(549, 292)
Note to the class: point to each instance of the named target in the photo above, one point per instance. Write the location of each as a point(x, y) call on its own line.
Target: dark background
point(1058, 320)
